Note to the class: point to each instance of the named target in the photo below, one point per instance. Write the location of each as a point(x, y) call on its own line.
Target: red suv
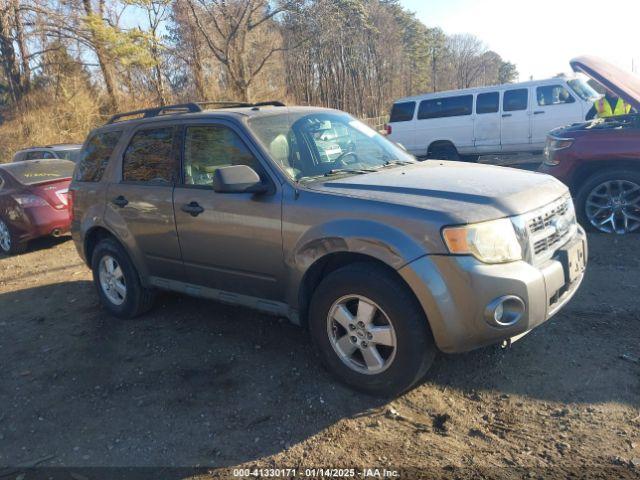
point(600, 159)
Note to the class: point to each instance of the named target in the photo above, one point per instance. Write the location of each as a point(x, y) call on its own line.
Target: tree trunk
point(22, 47)
point(7, 51)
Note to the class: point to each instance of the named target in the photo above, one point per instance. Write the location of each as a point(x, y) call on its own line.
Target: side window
point(515, 100)
point(150, 157)
point(94, 157)
point(553, 95)
point(207, 148)
point(402, 112)
point(446, 107)
point(487, 102)
point(39, 154)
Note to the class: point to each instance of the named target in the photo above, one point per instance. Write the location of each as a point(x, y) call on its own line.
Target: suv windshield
point(311, 145)
point(583, 89)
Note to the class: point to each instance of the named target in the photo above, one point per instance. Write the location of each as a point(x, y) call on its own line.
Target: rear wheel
point(9, 244)
point(609, 202)
point(444, 151)
point(118, 282)
point(370, 330)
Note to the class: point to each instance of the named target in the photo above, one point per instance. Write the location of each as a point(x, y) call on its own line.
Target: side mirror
point(238, 179)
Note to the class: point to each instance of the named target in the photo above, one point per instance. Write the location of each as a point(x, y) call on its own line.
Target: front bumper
point(454, 292)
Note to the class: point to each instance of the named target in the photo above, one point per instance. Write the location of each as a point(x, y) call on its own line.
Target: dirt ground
point(194, 382)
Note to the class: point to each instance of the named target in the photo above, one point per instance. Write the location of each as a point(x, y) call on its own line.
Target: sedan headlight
point(490, 242)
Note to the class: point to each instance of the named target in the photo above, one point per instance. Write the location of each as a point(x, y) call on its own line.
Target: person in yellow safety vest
point(608, 106)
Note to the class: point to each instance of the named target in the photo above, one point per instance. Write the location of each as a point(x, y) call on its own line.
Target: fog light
point(504, 311)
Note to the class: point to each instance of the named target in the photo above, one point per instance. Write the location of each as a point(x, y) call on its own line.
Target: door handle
point(193, 209)
point(120, 201)
point(505, 115)
point(538, 112)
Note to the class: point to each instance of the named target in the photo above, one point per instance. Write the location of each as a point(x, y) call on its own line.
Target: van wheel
point(9, 244)
point(118, 282)
point(371, 332)
point(444, 151)
point(609, 202)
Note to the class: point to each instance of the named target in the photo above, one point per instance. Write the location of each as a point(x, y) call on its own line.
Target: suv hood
point(625, 85)
point(461, 192)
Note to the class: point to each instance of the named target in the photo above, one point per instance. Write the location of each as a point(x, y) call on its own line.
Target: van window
point(515, 100)
point(445, 107)
point(487, 102)
point(95, 156)
point(553, 95)
point(150, 157)
point(402, 112)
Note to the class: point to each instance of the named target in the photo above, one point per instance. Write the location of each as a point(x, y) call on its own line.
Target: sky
point(541, 36)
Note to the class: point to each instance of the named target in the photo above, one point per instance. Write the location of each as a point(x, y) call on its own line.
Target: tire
point(443, 152)
point(414, 350)
point(592, 193)
point(136, 299)
point(9, 244)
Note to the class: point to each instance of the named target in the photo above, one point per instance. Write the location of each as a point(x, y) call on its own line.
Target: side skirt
point(263, 305)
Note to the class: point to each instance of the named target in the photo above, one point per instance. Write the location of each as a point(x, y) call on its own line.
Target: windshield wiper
point(338, 171)
point(394, 162)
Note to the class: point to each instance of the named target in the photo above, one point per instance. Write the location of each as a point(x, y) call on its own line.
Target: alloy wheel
point(112, 281)
point(5, 237)
point(361, 334)
point(614, 206)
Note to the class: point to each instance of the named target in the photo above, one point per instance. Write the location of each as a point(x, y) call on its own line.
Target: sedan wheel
point(361, 334)
point(5, 237)
point(112, 280)
point(613, 206)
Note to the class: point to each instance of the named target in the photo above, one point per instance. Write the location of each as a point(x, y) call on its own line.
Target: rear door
point(554, 106)
point(140, 205)
point(487, 122)
point(515, 126)
point(402, 124)
point(234, 243)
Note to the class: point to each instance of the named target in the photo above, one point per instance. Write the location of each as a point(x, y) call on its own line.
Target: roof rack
point(190, 107)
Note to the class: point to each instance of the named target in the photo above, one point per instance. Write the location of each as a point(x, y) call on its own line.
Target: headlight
point(489, 242)
point(553, 145)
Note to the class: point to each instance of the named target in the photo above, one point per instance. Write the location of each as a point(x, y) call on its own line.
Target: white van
point(509, 118)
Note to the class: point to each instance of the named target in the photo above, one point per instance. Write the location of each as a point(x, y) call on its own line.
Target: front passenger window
point(210, 147)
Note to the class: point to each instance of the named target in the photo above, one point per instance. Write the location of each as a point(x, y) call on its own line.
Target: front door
point(140, 206)
point(553, 107)
point(515, 126)
point(486, 127)
point(232, 241)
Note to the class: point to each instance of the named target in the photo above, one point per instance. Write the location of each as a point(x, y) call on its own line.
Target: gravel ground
point(199, 383)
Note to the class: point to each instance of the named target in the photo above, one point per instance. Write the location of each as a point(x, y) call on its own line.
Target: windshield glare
point(583, 89)
point(317, 144)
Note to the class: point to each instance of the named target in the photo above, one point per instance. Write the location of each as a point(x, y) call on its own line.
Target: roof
point(482, 89)
point(158, 114)
point(56, 146)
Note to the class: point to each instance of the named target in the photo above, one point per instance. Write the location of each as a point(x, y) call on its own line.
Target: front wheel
point(609, 202)
point(370, 330)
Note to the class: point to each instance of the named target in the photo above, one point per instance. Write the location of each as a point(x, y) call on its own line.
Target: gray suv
point(309, 214)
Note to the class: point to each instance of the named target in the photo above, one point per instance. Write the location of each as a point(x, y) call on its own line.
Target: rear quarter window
point(94, 157)
point(402, 112)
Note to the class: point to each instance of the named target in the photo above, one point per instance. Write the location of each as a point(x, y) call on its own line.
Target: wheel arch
point(331, 262)
point(586, 170)
point(441, 143)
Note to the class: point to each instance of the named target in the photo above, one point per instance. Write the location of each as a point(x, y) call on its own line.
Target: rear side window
point(402, 112)
point(553, 95)
point(446, 107)
point(40, 154)
point(150, 157)
point(515, 100)
point(487, 102)
point(94, 157)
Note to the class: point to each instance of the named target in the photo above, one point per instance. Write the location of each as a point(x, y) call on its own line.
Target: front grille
point(549, 228)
